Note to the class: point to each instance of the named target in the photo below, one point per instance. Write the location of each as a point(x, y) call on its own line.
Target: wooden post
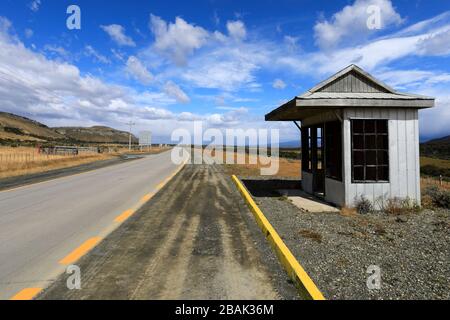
point(440, 180)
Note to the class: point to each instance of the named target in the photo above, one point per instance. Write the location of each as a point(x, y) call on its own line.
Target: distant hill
point(17, 128)
point(14, 128)
point(98, 134)
point(437, 148)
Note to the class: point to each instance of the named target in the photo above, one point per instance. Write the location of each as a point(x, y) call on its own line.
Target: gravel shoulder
point(412, 251)
point(196, 239)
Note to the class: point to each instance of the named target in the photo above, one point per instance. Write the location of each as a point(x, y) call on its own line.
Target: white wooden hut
point(359, 138)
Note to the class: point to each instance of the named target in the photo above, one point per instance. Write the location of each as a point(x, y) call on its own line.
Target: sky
point(165, 64)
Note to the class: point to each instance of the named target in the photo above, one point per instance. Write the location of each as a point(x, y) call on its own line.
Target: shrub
point(439, 197)
point(398, 206)
point(363, 205)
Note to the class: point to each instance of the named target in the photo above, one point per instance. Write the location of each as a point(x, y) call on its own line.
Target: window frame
point(365, 150)
point(338, 166)
point(306, 149)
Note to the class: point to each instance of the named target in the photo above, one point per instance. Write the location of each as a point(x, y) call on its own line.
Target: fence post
point(440, 180)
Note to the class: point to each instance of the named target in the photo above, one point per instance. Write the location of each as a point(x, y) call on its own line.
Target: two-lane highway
point(41, 224)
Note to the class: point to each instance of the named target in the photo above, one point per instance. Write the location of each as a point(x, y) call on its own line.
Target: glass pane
point(369, 126)
point(382, 142)
point(358, 126)
point(382, 126)
point(358, 142)
point(358, 173)
point(383, 173)
point(371, 157)
point(382, 157)
point(371, 173)
point(371, 142)
point(358, 158)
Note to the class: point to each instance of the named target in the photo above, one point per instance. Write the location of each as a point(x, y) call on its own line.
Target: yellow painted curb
point(295, 271)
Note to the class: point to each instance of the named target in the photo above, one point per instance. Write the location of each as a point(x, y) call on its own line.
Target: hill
point(96, 134)
point(14, 128)
point(437, 148)
point(17, 128)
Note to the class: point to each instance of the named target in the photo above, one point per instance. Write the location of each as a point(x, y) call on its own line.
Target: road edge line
point(26, 293)
point(295, 271)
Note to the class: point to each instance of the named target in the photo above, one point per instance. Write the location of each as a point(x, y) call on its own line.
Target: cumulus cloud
point(237, 30)
point(57, 93)
point(350, 24)
point(279, 84)
point(174, 91)
point(117, 34)
point(138, 71)
point(177, 40)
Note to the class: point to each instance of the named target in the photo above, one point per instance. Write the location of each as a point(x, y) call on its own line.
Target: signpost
point(145, 139)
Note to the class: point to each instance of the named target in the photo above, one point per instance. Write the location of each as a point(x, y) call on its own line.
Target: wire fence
point(440, 181)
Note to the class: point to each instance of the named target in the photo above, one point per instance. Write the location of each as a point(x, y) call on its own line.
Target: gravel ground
point(196, 239)
point(412, 251)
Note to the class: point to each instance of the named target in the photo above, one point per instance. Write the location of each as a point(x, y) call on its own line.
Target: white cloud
point(174, 91)
point(350, 24)
point(136, 69)
point(437, 44)
point(28, 33)
point(413, 79)
point(117, 33)
point(177, 40)
point(278, 84)
point(291, 43)
point(57, 50)
point(35, 5)
point(236, 30)
point(91, 52)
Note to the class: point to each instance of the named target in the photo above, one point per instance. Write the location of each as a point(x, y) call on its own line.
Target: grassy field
point(25, 160)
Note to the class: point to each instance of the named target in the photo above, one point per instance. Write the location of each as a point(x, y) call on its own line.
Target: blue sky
point(164, 64)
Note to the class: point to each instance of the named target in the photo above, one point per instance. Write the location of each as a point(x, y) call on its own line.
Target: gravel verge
point(412, 250)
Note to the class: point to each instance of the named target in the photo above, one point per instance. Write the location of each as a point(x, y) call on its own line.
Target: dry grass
point(288, 168)
point(311, 234)
point(23, 160)
point(348, 212)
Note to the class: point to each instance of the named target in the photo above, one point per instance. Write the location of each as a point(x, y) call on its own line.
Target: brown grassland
point(26, 160)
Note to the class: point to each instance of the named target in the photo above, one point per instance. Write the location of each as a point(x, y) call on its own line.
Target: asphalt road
point(40, 224)
point(196, 239)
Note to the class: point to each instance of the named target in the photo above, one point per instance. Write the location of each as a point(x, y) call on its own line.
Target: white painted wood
point(403, 156)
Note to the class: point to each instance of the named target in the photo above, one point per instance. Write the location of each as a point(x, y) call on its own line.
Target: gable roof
point(350, 87)
point(352, 79)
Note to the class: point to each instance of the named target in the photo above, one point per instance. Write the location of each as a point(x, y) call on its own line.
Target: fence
point(23, 155)
point(438, 181)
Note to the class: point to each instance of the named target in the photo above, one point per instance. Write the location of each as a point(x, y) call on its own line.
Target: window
point(306, 149)
point(333, 150)
point(370, 151)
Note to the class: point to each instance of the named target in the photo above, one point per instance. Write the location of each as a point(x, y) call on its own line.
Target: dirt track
point(195, 240)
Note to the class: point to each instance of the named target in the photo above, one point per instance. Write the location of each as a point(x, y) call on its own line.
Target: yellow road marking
point(27, 294)
point(124, 215)
point(80, 251)
point(287, 259)
point(147, 197)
